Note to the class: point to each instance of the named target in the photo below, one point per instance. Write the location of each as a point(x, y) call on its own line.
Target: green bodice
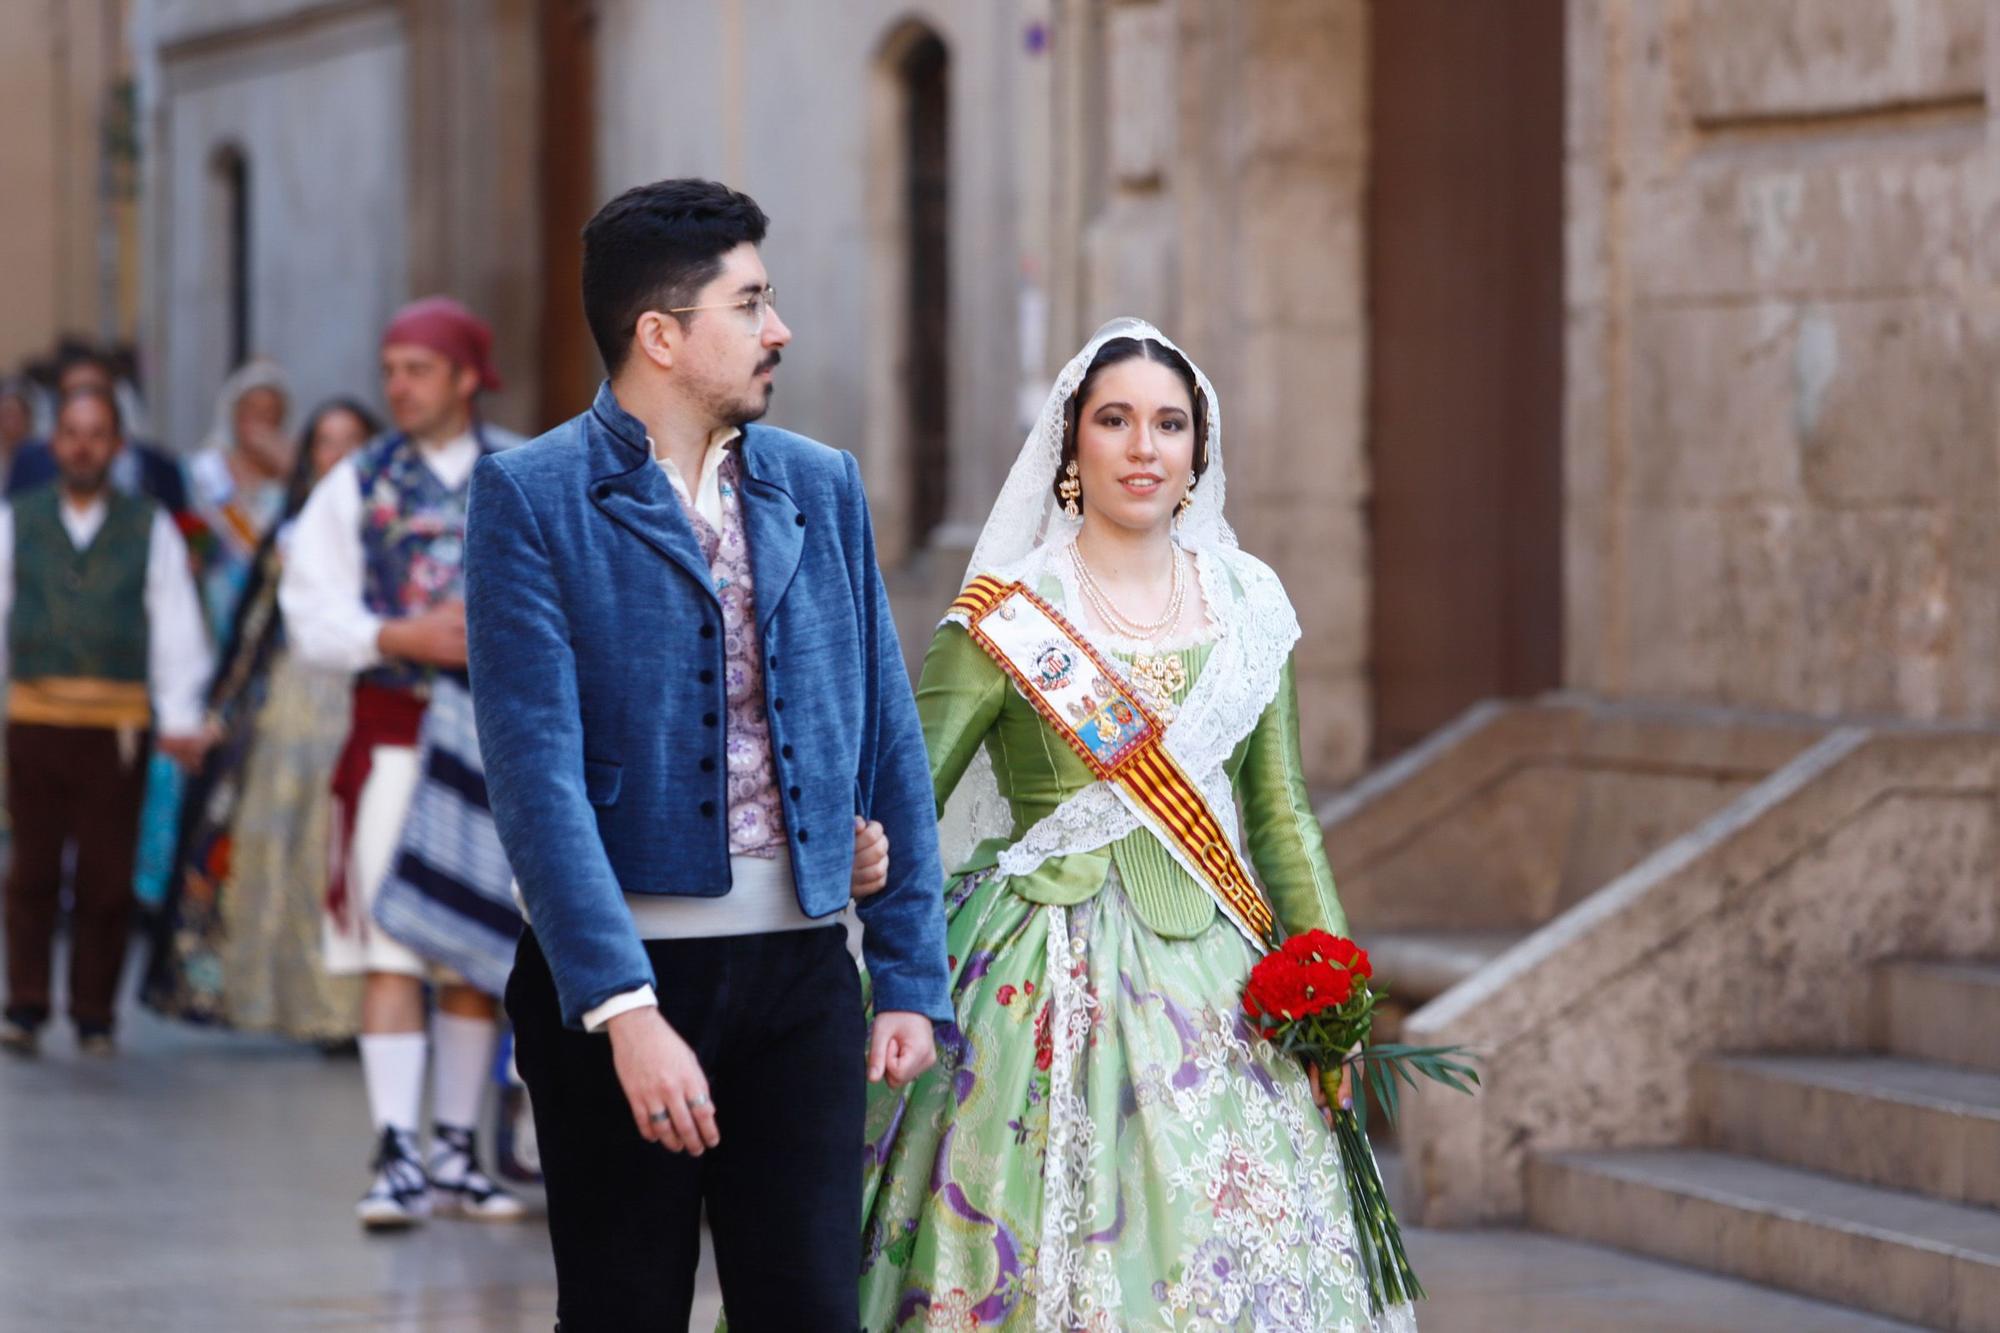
point(966, 702)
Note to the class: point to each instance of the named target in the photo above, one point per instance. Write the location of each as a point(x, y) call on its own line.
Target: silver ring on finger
point(696, 1102)
point(660, 1118)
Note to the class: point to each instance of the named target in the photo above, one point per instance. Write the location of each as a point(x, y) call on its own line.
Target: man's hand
point(189, 751)
point(661, 1075)
point(434, 638)
point(871, 858)
point(900, 1048)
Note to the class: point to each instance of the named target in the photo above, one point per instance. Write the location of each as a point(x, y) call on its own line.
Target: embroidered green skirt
point(1105, 1145)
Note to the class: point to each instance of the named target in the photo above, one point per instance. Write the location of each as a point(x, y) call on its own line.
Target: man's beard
point(741, 411)
point(87, 483)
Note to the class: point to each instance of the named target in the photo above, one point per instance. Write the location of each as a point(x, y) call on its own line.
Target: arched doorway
point(229, 187)
point(909, 463)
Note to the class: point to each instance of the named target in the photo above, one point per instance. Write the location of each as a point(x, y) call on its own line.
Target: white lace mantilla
point(1255, 629)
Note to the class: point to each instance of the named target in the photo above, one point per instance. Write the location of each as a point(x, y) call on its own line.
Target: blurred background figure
point(105, 647)
point(237, 482)
point(18, 401)
point(239, 941)
point(233, 491)
point(141, 468)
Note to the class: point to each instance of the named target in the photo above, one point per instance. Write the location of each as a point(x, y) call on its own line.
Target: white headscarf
point(1026, 514)
point(1255, 629)
point(256, 373)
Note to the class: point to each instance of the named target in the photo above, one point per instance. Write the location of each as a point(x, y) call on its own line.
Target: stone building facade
point(69, 240)
point(1782, 464)
point(1630, 346)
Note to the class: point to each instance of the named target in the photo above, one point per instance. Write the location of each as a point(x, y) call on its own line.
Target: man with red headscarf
point(372, 585)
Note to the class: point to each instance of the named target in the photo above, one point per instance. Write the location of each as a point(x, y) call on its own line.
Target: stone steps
point(1910, 1125)
point(1948, 1012)
point(1929, 1261)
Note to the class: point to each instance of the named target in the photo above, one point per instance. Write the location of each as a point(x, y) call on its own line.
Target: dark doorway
point(926, 74)
point(229, 170)
point(569, 365)
point(1466, 378)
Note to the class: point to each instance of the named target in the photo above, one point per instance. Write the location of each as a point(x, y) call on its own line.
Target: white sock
point(464, 1059)
point(392, 1064)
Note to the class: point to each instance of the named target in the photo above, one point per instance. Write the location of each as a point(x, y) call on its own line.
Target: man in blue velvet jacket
point(690, 697)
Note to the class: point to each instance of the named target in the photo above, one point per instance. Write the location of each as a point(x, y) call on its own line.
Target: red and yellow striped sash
point(1108, 724)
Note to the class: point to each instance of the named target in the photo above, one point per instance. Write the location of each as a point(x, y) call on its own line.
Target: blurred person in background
point(372, 585)
point(139, 469)
point(237, 482)
point(240, 939)
point(105, 647)
point(235, 488)
point(18, 398)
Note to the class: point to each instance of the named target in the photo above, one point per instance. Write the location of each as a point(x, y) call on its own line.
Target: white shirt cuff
point(643, 998)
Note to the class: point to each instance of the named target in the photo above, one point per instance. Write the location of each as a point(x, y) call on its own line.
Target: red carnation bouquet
point(1315, 998)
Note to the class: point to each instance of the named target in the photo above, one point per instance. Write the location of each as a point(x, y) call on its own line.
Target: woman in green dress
point(1106, 1144)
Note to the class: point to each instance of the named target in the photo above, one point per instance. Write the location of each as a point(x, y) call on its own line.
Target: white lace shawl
point(1255, 629)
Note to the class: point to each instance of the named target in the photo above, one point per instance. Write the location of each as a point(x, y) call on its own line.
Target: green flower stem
point(1391, 1280)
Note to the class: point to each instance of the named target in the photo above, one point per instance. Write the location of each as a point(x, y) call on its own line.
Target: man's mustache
point(769, 363)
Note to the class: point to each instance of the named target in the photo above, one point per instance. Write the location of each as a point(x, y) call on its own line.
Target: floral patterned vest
point(756, 815)
point(413, 532)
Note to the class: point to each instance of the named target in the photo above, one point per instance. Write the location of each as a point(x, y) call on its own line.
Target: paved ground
point(203, 1182)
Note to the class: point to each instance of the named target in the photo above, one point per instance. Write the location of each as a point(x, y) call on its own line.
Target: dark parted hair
point(654, 247)
point(300, 487)
point(1126, 349)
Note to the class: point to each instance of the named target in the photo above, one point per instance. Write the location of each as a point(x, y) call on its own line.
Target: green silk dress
point(1105, 1144)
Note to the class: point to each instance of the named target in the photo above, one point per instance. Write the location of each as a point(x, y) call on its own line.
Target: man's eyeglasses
point(757, 306)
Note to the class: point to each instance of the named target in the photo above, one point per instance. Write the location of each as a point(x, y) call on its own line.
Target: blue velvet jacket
point(598, 687)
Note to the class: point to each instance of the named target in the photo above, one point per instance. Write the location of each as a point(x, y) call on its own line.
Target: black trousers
point(777, 1024)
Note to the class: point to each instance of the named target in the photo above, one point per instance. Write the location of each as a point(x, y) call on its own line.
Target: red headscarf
point(450, 330)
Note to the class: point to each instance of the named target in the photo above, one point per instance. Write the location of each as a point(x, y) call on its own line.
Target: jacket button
point(708, 631)
point(778, 704)
point(799, 519)
point(708, 763)
point(795, 793)
point(786, 751)
point(774, 661)
point(707, 676)
point(708, 719)
point(708, 808)
point(804, 836)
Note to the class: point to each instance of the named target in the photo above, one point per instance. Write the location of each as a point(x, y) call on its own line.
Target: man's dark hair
point(655, 247)
point(72, 352)
point(95, 395)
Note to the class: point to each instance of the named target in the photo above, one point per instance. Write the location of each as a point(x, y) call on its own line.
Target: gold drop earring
point(1187, 501)
point(1070, 490)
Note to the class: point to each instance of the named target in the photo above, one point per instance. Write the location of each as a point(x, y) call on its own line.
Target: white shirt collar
point(707, 499)
point(83, 523)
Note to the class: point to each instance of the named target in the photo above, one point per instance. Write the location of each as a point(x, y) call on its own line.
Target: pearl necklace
point(1118, 621)
point(1160, 676)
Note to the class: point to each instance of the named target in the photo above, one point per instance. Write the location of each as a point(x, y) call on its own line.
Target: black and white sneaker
point(401, 1195)
point(462, 1188)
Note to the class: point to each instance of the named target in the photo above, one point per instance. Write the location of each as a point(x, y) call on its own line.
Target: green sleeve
point(959, 696)
point(1280, 830)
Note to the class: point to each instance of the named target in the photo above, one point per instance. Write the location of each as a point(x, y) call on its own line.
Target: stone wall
point(1755, 931)
point(792, 101)
point(390, 154)
point(1211, 162)
point(1782, 464)
point(58, 66)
